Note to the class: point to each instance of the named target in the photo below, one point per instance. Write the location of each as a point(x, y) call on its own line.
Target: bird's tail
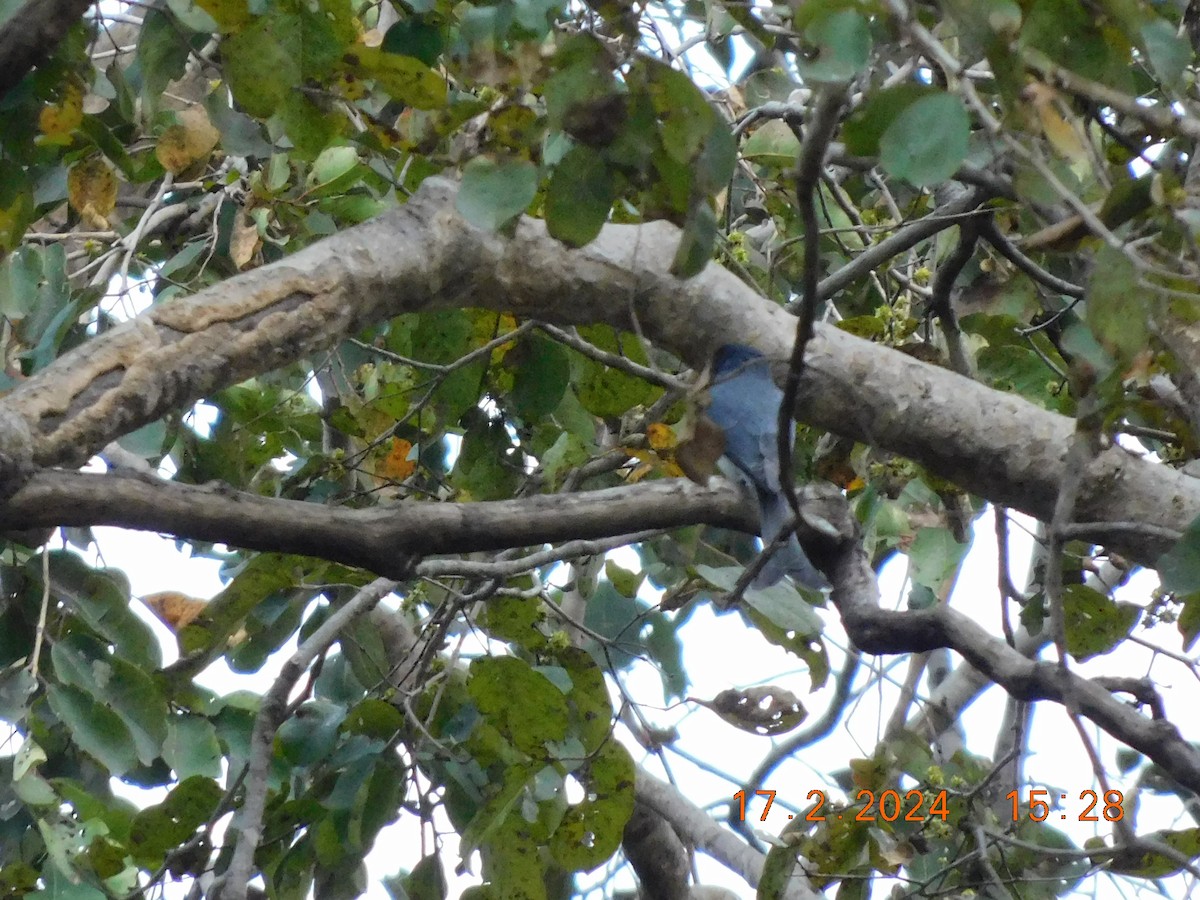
point(790, 558)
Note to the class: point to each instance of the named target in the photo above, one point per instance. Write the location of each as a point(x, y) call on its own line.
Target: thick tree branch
point(699, 829)
point(424, 256)
point(29, 37)
point(383, 539)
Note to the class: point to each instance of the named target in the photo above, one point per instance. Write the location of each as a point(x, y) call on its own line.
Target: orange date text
point(889, 806)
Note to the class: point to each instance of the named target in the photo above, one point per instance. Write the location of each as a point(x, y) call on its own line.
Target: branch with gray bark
point(425, 256)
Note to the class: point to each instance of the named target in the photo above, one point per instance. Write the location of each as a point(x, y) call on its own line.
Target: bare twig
point(248, 821)
point(990, 233)
point(614, 360)
point(909, 236)
point(1162, 119)
point(820, 130)
point(40, 633)
point(440, 568)
point(943, 283)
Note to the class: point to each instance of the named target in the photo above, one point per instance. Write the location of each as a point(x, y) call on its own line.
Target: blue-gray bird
point(745, 406)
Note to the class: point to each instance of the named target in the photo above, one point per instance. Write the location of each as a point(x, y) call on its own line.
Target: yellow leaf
point(1062, 135)
point(188, 142)
point(661, 436)
point(59, 120)
point(92, 190)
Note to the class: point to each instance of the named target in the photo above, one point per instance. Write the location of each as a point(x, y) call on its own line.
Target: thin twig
point(990, 233)
point(614, 360)
point(1162, 119)
point(441, 568)
point(248, 821)
point(819, 133)
point(905, 238)
point(40, 634)
point(943, 284)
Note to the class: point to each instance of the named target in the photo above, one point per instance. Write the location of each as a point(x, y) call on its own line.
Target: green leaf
point(427, 881)
point(1149, 864)
point(682, 108)
point(1117, 307)
point(374, 718)
point(590, 832)
point(262, 62)
point(311, 733)
point(101, 597)
point(580, 196)
point(1169, 52)
point(121, 686)
point(161, 828)
point(927, 141)
point(542, 374)
point(522, 703)
point(1189, 621)
point(1095, 623)
point(1179, 567)
point(866, 125)
point(514, 619)
point(191, 747)
point(493, 193)
point(17, 687)
point(842, 42)
point(625, 581)
point(1013, 368)
point(416, 38)
point(488, 463)
point(591, 706)
point(262, 576)
point(162, 52)
point(606, 392)
point(780, 604)
point(512, 864)
point(934, 557)
point(772, 144)
point(696, 243)
point(96, 729)
point(405, 78)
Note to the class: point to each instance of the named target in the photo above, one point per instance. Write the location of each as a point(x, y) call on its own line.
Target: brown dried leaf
point(243, 241)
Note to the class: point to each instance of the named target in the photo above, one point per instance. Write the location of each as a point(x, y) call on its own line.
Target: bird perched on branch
point(745, 405)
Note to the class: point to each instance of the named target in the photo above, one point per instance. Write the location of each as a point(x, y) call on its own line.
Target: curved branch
point(876, 630)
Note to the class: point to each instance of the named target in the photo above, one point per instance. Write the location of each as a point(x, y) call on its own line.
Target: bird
point(744, 403)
